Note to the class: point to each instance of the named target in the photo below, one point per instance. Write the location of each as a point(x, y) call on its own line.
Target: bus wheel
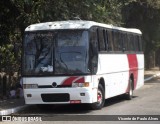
point(129, 94)
point(100, 98)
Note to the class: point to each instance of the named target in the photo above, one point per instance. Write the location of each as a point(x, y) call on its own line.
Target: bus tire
point(100, 99)
point(129, 94)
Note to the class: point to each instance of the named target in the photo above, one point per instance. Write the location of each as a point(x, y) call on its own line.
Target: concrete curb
point(149, 78)
point(13, 110)
point(16, 109)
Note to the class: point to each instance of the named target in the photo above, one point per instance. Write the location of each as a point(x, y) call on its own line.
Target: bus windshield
point(56, 52)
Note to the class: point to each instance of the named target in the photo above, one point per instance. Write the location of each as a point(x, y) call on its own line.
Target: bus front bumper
point(60, 95)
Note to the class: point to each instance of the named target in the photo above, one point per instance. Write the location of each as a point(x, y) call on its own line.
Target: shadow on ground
point(70, 108)
point(148, 75)
point(155, 79)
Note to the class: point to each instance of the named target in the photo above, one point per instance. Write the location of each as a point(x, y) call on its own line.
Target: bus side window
point(133, 43)
point(110, 41)
point(98, 43)
point(101, 40)
point(136, 40)
point(140, 43)
point(130, 42)
point(93, 50)
point(93, 40)
point(106, 40)
point(125, 42)
point(117, 41)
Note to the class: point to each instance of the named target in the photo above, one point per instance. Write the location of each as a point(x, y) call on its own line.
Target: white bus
point(70, 62)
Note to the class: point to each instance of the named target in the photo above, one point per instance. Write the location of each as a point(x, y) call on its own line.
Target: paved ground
point(151, 72)
point(12, 106)
point(11, 103)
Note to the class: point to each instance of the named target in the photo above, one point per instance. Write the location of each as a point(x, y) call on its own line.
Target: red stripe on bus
point(133, 68)
point(69, 81)
point(79, 80)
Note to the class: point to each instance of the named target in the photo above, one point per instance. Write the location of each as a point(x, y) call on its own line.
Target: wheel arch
point(102, 82)
point(132, 78)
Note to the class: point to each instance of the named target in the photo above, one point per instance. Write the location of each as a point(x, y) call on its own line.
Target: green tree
point(16, 15)
point(145, 15)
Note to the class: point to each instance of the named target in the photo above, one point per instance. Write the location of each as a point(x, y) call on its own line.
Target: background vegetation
point(16, 15)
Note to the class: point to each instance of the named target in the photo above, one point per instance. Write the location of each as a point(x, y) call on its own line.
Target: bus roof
point(75, 24)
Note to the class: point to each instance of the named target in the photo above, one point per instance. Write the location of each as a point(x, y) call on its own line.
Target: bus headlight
point(30, 86)
point(85, 84)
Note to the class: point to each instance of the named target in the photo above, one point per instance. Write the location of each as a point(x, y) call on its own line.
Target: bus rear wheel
point(129, 94)
point(100, 99)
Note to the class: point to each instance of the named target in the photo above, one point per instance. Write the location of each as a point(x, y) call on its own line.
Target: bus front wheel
point(100, 98)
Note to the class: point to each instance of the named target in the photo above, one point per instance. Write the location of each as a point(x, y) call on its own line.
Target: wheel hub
point(99, 97)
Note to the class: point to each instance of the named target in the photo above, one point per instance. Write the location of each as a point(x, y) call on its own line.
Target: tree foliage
point(16, 15)
point(145, 15)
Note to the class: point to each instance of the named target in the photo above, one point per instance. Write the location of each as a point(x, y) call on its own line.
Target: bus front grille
point(58, 97)
point(50, 86)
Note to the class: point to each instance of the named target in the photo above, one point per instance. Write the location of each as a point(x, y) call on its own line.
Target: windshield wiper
point(64, 63)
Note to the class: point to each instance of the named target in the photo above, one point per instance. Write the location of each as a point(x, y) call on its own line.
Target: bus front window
point(71, 54)
point(57, 52)
point(38, 49)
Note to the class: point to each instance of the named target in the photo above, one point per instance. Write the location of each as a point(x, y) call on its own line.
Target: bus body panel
point(116, 73)
point(74, 92)
point(140, 81)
